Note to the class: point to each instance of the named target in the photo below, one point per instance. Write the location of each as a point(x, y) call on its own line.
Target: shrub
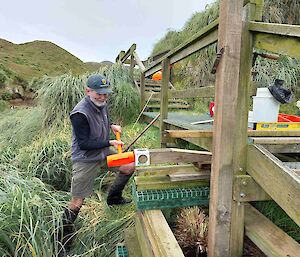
point(3, 79)
point(3, 105)
point(6, 96)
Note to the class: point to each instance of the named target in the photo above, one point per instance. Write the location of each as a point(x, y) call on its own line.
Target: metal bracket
point(245, 189)
point(217, 61)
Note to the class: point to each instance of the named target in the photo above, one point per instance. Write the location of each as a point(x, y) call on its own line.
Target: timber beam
point(175, 155)
point(278, 38)
point(205, 37)
point(251, 133)
point(267, 236)
point(155, 236)
point(128, 53)
point(279, 181)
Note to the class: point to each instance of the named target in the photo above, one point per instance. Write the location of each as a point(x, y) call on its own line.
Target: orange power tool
point(119, 158)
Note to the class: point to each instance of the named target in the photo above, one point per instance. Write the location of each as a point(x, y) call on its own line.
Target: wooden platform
point(197, 129)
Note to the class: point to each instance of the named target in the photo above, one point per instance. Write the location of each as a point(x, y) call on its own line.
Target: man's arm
point(82, 131)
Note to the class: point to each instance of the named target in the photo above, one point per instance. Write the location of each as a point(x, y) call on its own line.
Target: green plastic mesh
point(121, 251)
point(170, 198)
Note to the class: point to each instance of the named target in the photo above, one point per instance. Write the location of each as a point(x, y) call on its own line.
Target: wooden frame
point(267, 171)
point(234, 151)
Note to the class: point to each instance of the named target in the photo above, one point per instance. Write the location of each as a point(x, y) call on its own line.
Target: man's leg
point(115, 191)
point(69, 216)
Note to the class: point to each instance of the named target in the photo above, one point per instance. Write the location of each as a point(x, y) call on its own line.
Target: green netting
point(170, 198)
point(121, 251)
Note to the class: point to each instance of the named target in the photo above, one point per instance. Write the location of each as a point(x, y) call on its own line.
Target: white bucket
point(265, 106)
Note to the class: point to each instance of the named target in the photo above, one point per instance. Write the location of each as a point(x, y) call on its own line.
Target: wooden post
point(224, 225)
point(241, 127)
point(132, 64)
point(164, 99)
point(142, 88)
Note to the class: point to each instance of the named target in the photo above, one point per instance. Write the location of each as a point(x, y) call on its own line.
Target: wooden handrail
point(207, 36)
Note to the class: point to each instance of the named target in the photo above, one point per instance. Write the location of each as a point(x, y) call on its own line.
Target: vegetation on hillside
point(21, 65)
point(195, 70)
point(35, 173)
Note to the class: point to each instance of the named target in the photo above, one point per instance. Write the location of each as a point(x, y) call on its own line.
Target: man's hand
point(116, 128)
point(115, 143)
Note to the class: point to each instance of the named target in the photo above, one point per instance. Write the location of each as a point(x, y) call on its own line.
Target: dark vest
point(99, 130)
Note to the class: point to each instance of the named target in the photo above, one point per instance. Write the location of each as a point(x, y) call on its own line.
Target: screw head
point(242, 195)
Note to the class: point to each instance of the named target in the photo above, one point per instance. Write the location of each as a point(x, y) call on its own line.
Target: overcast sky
point(95, 30)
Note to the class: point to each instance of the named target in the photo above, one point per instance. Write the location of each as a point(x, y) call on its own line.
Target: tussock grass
point(58, 96)
point(19, 127)
point(124, 103)
point(101, 227)
point(30, 212)
point(49, 159)
point(149, 140)
point(192, 230)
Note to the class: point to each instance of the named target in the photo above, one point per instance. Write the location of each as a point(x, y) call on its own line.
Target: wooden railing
point(241, 172)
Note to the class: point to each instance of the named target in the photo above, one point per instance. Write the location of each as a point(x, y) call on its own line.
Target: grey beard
point(97, 103)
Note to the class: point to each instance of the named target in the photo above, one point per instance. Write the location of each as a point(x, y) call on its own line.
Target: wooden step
point(170, 106)
point(170, 100)
point(154, 89)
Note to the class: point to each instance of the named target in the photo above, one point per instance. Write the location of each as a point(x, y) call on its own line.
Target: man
point(90, 146)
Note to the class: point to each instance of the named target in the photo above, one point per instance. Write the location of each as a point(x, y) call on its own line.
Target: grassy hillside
point(38, 58)
point(20, 63)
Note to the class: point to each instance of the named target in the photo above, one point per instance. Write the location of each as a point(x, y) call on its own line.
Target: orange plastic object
point(288, 118)
point(120, 158)
point(157, 75)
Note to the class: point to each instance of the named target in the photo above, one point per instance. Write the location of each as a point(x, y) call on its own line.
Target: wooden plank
point(278, 44)
point(279, 181)
point(206, 92)
point(245, 189)
point(164, 98)
point(194, 44)
point(205, 175)
point(205, 143)
point(290, 148)
point(128, 53)
point(173, 155)
point(275, 140)
point(132, 65)
point(201, 92)
point(193, 47)
point(120, 55)
point(146, 240)
point(209, 133)
point(275, 28)
point(167, 169)
point(222, 228)
point(166, 241)
point(142, 88)
point(138, 61)
point(165, 182)
point(160, 241)
point(267, 236)
point(170, 106)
